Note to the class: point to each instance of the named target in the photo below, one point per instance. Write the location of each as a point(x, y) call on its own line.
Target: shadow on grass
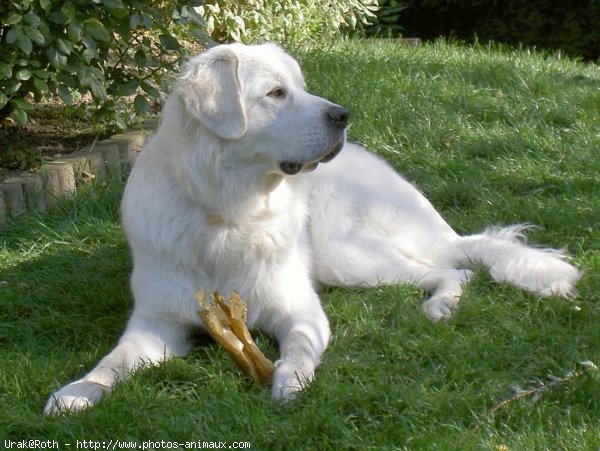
point(65, 300)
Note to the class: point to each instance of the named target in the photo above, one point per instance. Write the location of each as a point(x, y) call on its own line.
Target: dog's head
point(255, 98)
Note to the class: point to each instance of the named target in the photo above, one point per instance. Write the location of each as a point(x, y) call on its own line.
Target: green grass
point(491, 136)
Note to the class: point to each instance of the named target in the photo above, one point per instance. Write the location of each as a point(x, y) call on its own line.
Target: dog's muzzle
point(338, 119)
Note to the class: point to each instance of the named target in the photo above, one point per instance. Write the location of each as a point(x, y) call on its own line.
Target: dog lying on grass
point(249, 186)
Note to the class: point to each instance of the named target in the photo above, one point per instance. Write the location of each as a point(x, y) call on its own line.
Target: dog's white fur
point(208, 205)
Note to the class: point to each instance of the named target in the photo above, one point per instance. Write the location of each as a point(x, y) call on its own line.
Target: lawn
point(491, 136)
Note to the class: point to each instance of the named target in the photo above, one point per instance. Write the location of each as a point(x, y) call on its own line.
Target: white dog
point(227, 196)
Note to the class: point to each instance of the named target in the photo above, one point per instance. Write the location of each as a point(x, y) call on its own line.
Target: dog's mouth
point(290, 167)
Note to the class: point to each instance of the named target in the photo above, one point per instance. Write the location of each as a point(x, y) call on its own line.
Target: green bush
point(388, 21)
point(289, 22)
point(102, 49)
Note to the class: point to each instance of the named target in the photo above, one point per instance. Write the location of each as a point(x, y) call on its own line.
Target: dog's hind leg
point(446, 287)
point(145, 342)
point(369, 261)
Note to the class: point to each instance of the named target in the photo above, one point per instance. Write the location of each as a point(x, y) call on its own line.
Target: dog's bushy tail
point(504, 251)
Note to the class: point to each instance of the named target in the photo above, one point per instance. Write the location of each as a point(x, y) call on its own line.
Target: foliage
point(15, 157)
point(290, 22)
point(388, 21)
point(570, 26)
point(103, 49)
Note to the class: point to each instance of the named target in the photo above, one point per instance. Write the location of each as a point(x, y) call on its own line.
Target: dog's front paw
point(75, 397)
point(440, 307)
point(289, 379)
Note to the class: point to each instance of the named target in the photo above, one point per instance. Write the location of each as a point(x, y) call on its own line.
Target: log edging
point(62, 176)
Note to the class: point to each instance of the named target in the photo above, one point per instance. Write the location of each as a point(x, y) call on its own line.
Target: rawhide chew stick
point(225, 320)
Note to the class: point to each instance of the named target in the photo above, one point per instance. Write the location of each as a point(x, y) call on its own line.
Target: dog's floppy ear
point(210, 90)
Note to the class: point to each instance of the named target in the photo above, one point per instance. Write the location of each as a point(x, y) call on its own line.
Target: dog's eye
point(278, 93)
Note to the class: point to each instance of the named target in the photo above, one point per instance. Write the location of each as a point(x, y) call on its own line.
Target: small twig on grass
point(537, 392)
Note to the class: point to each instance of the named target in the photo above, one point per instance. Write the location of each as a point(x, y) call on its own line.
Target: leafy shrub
point(290, 22)
point(103, 49)
point(388, 21)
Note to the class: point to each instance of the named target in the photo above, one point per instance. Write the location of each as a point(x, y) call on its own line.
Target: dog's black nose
point(338, 116)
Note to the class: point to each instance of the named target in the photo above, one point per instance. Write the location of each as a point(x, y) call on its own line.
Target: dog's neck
point(235, 193)
point(254, 196)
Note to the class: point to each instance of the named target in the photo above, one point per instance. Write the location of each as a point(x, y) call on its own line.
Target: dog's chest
point(230, 244)
point(248, 247)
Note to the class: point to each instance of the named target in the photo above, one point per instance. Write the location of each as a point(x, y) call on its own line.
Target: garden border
point(62, 176)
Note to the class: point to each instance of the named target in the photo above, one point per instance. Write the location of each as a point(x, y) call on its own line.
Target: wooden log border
point(62, 176)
